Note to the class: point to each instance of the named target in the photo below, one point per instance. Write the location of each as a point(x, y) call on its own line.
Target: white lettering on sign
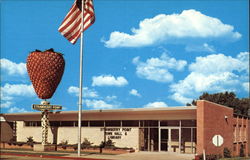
point(218, 140)
point(46, 107)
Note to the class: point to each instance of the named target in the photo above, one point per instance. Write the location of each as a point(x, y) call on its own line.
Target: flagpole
point(80, 87)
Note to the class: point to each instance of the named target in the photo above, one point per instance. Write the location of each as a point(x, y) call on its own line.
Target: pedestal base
point(42, 148)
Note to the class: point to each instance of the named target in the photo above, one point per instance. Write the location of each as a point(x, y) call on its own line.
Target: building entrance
point(169, 139)
point(168, 135)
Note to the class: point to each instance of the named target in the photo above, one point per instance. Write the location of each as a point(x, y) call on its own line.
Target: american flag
point(71, 26)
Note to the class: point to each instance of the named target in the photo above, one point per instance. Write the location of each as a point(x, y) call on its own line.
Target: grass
point(236, 158)
point(17, 151)
point(84, 152)
point(34, 153)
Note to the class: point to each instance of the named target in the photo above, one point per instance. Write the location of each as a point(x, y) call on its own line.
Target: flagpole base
point(44, 148)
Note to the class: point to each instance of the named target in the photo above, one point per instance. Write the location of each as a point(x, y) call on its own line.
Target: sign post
point(45, 107)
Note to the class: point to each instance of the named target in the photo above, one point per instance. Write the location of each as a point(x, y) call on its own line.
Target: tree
point(240, 106)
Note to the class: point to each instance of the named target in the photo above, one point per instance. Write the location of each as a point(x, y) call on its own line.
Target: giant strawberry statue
point(45, 70)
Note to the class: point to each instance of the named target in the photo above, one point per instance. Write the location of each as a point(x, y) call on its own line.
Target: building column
point(159, 135)
point(180, 137)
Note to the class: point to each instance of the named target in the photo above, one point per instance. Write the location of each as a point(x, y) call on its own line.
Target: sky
point(137, 54)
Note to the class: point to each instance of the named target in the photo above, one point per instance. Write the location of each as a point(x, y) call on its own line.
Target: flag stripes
point(71, 26)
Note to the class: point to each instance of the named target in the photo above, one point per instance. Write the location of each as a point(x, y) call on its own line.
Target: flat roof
point(188, 112)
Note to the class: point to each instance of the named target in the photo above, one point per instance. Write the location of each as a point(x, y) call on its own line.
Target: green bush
point(75, 146)
point(109, 144)
point(64, 144)
point(210, 157)
point(30, 141)
point(102, 145)
point(20, 143)
point(227, 153)
point(86, 144)
point(12, 141)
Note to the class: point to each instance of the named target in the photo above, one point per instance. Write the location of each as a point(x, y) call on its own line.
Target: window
point(130, 123)
point(84, 123)
point(150, 123)
point(67, 123)
point(32, 123)
point(112, 123)
point(96, 123)
point(171, 123)
point(188, 123)
point(54, 123)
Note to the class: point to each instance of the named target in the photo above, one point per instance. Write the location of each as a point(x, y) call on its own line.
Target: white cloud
point(95, 101)
point(179, 98)
point(111, 98)
point(134, 92)
point(99, 104)
point(200, 48)
point(213, 73)
point(12, 68)
point(174, 28)
point(6, 104)
point(155, 105)
point(16, 110)
point(87, 93)
point(219, 63)
point(109, 80)
point(11, 90)
point(243, 57)
point(246, 86)
point(157, 69)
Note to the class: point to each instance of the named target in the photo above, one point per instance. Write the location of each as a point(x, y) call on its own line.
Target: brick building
point(206, 127)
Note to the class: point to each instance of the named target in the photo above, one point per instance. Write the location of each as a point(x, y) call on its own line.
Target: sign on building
point(218, 140)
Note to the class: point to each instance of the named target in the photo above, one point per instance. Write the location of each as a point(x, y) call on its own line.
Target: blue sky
point(138, 53)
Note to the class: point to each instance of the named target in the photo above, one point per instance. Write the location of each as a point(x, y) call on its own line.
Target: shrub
point(95, 146)
point(64, 144)
point(12, 141)
point(86, 144)
point(109, 144)
point(75, 146)
point(19, 143)
point(102, 145)
point(227, 153)
point(30, 141)
point(210, 157)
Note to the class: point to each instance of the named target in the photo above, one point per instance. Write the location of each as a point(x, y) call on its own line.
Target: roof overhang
point(166, 113)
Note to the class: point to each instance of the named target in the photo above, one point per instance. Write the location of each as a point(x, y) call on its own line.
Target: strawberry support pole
point(45, 123)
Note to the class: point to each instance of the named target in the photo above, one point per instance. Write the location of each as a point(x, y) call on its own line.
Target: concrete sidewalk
point(144, 156)
point(127, 156)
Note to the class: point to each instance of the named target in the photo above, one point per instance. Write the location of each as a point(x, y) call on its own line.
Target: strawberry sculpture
point(45, 70)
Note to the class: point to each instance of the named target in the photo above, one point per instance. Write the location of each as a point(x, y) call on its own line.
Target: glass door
point(164, 140)
point(169, 139)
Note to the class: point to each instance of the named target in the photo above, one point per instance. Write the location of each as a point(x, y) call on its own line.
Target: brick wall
point(6, 132)
point(211, 121)
point(241, 135)
point(248, 138)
